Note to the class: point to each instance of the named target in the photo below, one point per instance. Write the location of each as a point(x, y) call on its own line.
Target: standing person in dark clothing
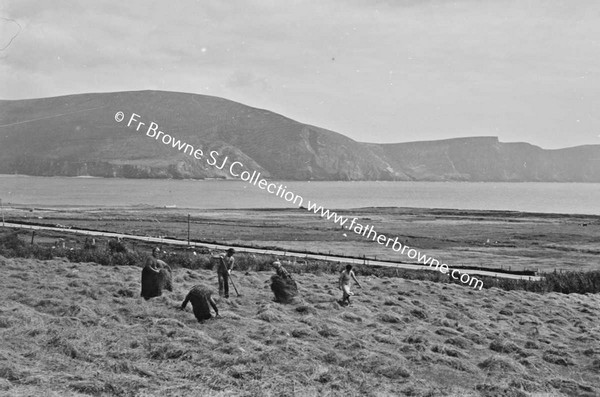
point(224, 268)
point(201, 298)
point(156, 276)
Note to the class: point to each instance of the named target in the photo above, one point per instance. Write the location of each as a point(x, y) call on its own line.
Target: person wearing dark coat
point(156, 277)
point(282, 284)
point(201, 297)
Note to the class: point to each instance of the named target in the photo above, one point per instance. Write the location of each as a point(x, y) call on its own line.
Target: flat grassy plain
point(489, 239)
point(80, 329)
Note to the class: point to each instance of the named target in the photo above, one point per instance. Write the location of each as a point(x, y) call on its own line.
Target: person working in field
point(201, 298)
point(282, 284)
point(280, 270)
point(344, 284)
point(156, 276)
point(224, 267)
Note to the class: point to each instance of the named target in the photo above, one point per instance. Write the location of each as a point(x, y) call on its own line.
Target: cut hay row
point(81, 329)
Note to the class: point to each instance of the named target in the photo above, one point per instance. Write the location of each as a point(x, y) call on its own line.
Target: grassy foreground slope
point(82, 329)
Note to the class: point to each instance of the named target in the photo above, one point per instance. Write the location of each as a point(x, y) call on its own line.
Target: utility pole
point(188, 230)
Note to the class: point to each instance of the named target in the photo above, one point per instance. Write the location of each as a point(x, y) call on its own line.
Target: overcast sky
point(376, 71)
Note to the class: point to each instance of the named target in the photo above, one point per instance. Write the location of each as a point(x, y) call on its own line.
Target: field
point(489, 239)
point(71, 329)
point(80, 328)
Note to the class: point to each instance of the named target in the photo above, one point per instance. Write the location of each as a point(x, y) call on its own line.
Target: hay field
point(81, 329)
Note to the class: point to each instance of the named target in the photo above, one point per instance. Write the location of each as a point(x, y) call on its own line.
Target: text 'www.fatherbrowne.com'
point(237, 170)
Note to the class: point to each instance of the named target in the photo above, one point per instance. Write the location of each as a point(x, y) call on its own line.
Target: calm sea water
point(572, 198)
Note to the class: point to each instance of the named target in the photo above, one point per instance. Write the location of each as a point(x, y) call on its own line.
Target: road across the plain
point(333, 258)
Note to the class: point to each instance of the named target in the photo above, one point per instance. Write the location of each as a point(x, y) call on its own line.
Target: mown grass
point(81, 329)
point(116, 253)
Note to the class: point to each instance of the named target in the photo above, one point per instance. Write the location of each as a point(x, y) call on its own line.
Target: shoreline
point(223, 179)
point(528, 198)
point(141, 206)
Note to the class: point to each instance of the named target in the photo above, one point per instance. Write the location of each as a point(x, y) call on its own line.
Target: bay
point(568, 198)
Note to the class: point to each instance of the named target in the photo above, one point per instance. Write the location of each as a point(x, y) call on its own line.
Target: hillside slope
point(77, 135)
point(484, 159)
point(82, 329)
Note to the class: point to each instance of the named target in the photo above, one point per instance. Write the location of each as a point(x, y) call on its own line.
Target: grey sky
point(377, 71)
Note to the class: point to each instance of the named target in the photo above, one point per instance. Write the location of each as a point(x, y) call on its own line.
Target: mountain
point(484, 159)
point(77, 135)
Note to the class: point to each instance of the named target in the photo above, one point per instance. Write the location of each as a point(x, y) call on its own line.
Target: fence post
point(32, 236)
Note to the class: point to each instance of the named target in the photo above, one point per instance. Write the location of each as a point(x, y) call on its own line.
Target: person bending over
point(282, 284)
point(201, 298)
